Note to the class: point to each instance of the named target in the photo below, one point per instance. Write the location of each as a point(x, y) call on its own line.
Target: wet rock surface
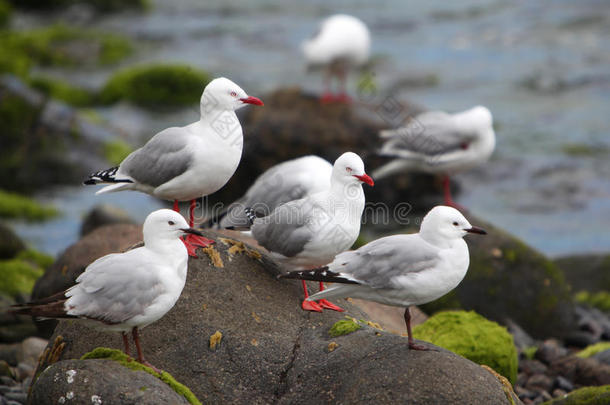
point(271, 351)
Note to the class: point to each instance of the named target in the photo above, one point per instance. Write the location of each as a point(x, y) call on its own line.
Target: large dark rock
point(587, 272)
point(104, 214)
point(508, 279)
point(273, 352)
point(100, 382)
point(63, 273)
point(293, 124)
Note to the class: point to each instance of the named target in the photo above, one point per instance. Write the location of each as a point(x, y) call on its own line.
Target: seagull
point(310, 232)
point(401, 270)
point(124, 292)
point(341, 42)
point(287, 181)
point(438, 142)
point(190, 162)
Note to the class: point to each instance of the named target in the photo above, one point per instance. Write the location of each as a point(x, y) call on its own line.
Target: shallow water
point(541, 67)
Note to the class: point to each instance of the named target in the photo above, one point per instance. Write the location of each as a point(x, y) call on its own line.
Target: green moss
point(576, 149)
point(116, 150)
point(530, 352)
point(156, 86)
point(344, 327)
point(63, 91)
point(593, 349)
point(474, 337)
point(124, 360)
point(60, 45)
point(18, 276)
point(600, 299)
point(40, 259)
point(584, 396)
point(13, 205)
point(5, 13)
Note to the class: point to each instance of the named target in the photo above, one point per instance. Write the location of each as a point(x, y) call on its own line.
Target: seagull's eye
point(348, 169)
point(233, 94)
point(170, 222)
point(455, 224)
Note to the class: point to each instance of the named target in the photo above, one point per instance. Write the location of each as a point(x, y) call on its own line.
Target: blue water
point(481, 52)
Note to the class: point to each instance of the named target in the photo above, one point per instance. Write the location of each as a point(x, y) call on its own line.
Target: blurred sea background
point(542, 68)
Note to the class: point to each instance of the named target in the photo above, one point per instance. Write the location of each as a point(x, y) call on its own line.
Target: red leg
point(309, 305)
point(412, 344)
point(327, 304)
point(176, 206)
point(342, 97)
point(447, 191)
point(327, 96)
point(136, 340)
point(192, 242)
point(126, 343)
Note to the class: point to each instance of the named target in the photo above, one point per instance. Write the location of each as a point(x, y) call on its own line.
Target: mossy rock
point(61, 45)
point(156, 86)
point(508, 279)
point(474, 337)
point(61, 90)
point(587, 272)
point(13, 205)
point(5, 13)
point(599, 300)
point(593, 350)
point(116, 150)
point(344, 327)
point(125, 361)
point(584, 396)
point(20, 273)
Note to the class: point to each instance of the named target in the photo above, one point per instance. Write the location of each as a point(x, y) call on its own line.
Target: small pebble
point(557, 393)
point(563, 383)
point(20, 397)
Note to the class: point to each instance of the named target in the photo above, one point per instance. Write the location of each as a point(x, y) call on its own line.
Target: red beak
point(251, 100)
point(365, 178)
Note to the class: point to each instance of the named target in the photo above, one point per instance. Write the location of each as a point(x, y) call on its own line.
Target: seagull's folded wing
point(116, 287)
point(384, 262)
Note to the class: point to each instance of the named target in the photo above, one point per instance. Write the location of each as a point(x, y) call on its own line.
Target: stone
point(603, 357)
point(273, 352)
point(563, 383)
point(539, 383)
point(81, 381)
point(104, 214)
point(521, 338)
point(73, 261)
point(590, 272)
point(581, 371)
point(31, 349)
point(8, 353)
point(549, 351)
point(585, 395)
point(531, 367)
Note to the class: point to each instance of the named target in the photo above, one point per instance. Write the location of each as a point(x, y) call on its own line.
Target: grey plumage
point(160, 160)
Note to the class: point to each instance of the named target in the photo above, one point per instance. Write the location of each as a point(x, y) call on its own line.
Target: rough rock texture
point(582, 371)
point(508, 279)
point(76, 258)
point(100, 382)
point(587, 272)
point(271, 351)
point(294, 124)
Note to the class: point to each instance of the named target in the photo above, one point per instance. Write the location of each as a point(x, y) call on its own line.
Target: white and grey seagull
point(190, 162)
point(441, 143)
point(310, 232)
point(340, 43)
point(401, 270)
point(125, 292)
point(290, 180)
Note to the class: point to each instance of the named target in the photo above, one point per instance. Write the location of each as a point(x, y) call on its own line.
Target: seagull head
point(222, 94)
point(349, 169)
point(479, 119)
point(165, 224)
point(447, 223)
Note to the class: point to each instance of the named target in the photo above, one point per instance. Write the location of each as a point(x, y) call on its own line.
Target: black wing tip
point(89, 182)
point(250, 214)
point(318, 274)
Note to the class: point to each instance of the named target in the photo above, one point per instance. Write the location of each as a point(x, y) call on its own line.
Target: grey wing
point(378, 264)
point(429, 134)
point(160, 160)
point(285, 230)
point(115, 288)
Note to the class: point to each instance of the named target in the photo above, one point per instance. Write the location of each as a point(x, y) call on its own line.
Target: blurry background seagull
point(125, 292)
point(401, 270)
point(190, 162)
point(286, 181)
point(341, 42)
point(438, 142)
point(310, 232)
